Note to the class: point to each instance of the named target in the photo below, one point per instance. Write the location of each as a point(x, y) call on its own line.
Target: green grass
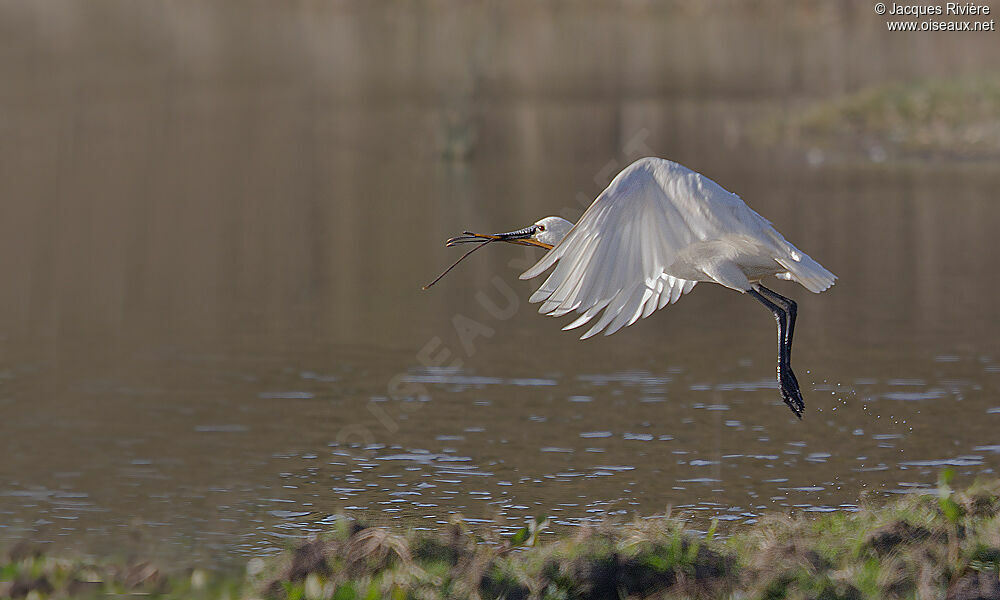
point(957, 118)
point(919, 546)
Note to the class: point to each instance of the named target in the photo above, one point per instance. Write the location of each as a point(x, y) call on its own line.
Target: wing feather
point(615, 307)
point(622, 256)
point(586, 316)
point(560, 301)
point(653, 301)
point(615, 258)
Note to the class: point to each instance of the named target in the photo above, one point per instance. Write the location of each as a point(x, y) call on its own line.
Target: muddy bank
point(945, 544)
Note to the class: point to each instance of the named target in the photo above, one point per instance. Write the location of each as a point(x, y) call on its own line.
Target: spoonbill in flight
point(658, 229)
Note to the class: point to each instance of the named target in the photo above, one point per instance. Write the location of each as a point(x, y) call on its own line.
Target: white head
point(551, 230)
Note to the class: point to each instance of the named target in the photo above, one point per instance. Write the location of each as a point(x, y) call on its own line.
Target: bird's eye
point(541, 228)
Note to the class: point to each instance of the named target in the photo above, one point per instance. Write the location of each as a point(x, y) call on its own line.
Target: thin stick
point(464, 256)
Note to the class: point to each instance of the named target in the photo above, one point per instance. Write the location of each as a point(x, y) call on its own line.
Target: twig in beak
point(464, 256)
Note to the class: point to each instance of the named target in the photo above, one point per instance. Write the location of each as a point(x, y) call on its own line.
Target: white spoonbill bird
point(657, 230)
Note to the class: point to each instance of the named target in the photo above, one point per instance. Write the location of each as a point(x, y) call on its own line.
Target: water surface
point(212, 333)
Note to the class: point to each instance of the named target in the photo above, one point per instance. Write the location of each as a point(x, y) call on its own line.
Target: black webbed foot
point(790, 392)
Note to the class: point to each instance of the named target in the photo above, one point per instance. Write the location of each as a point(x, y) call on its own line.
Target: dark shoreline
point(935, 545)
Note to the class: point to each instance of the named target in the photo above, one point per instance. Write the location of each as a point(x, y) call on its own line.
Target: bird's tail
point(803, 269)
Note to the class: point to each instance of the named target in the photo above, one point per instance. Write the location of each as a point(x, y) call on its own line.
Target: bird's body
point(658, 229)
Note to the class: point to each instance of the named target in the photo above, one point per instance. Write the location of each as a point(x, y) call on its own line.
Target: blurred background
point(216, 218)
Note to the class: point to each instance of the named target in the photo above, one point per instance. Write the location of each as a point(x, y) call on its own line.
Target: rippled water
point(233, 451)
point(214, 339)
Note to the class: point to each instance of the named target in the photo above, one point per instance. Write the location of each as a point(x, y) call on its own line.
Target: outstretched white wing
point(616, 257)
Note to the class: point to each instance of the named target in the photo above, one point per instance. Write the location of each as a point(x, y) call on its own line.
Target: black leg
point(791, 310)
point(787, 382)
